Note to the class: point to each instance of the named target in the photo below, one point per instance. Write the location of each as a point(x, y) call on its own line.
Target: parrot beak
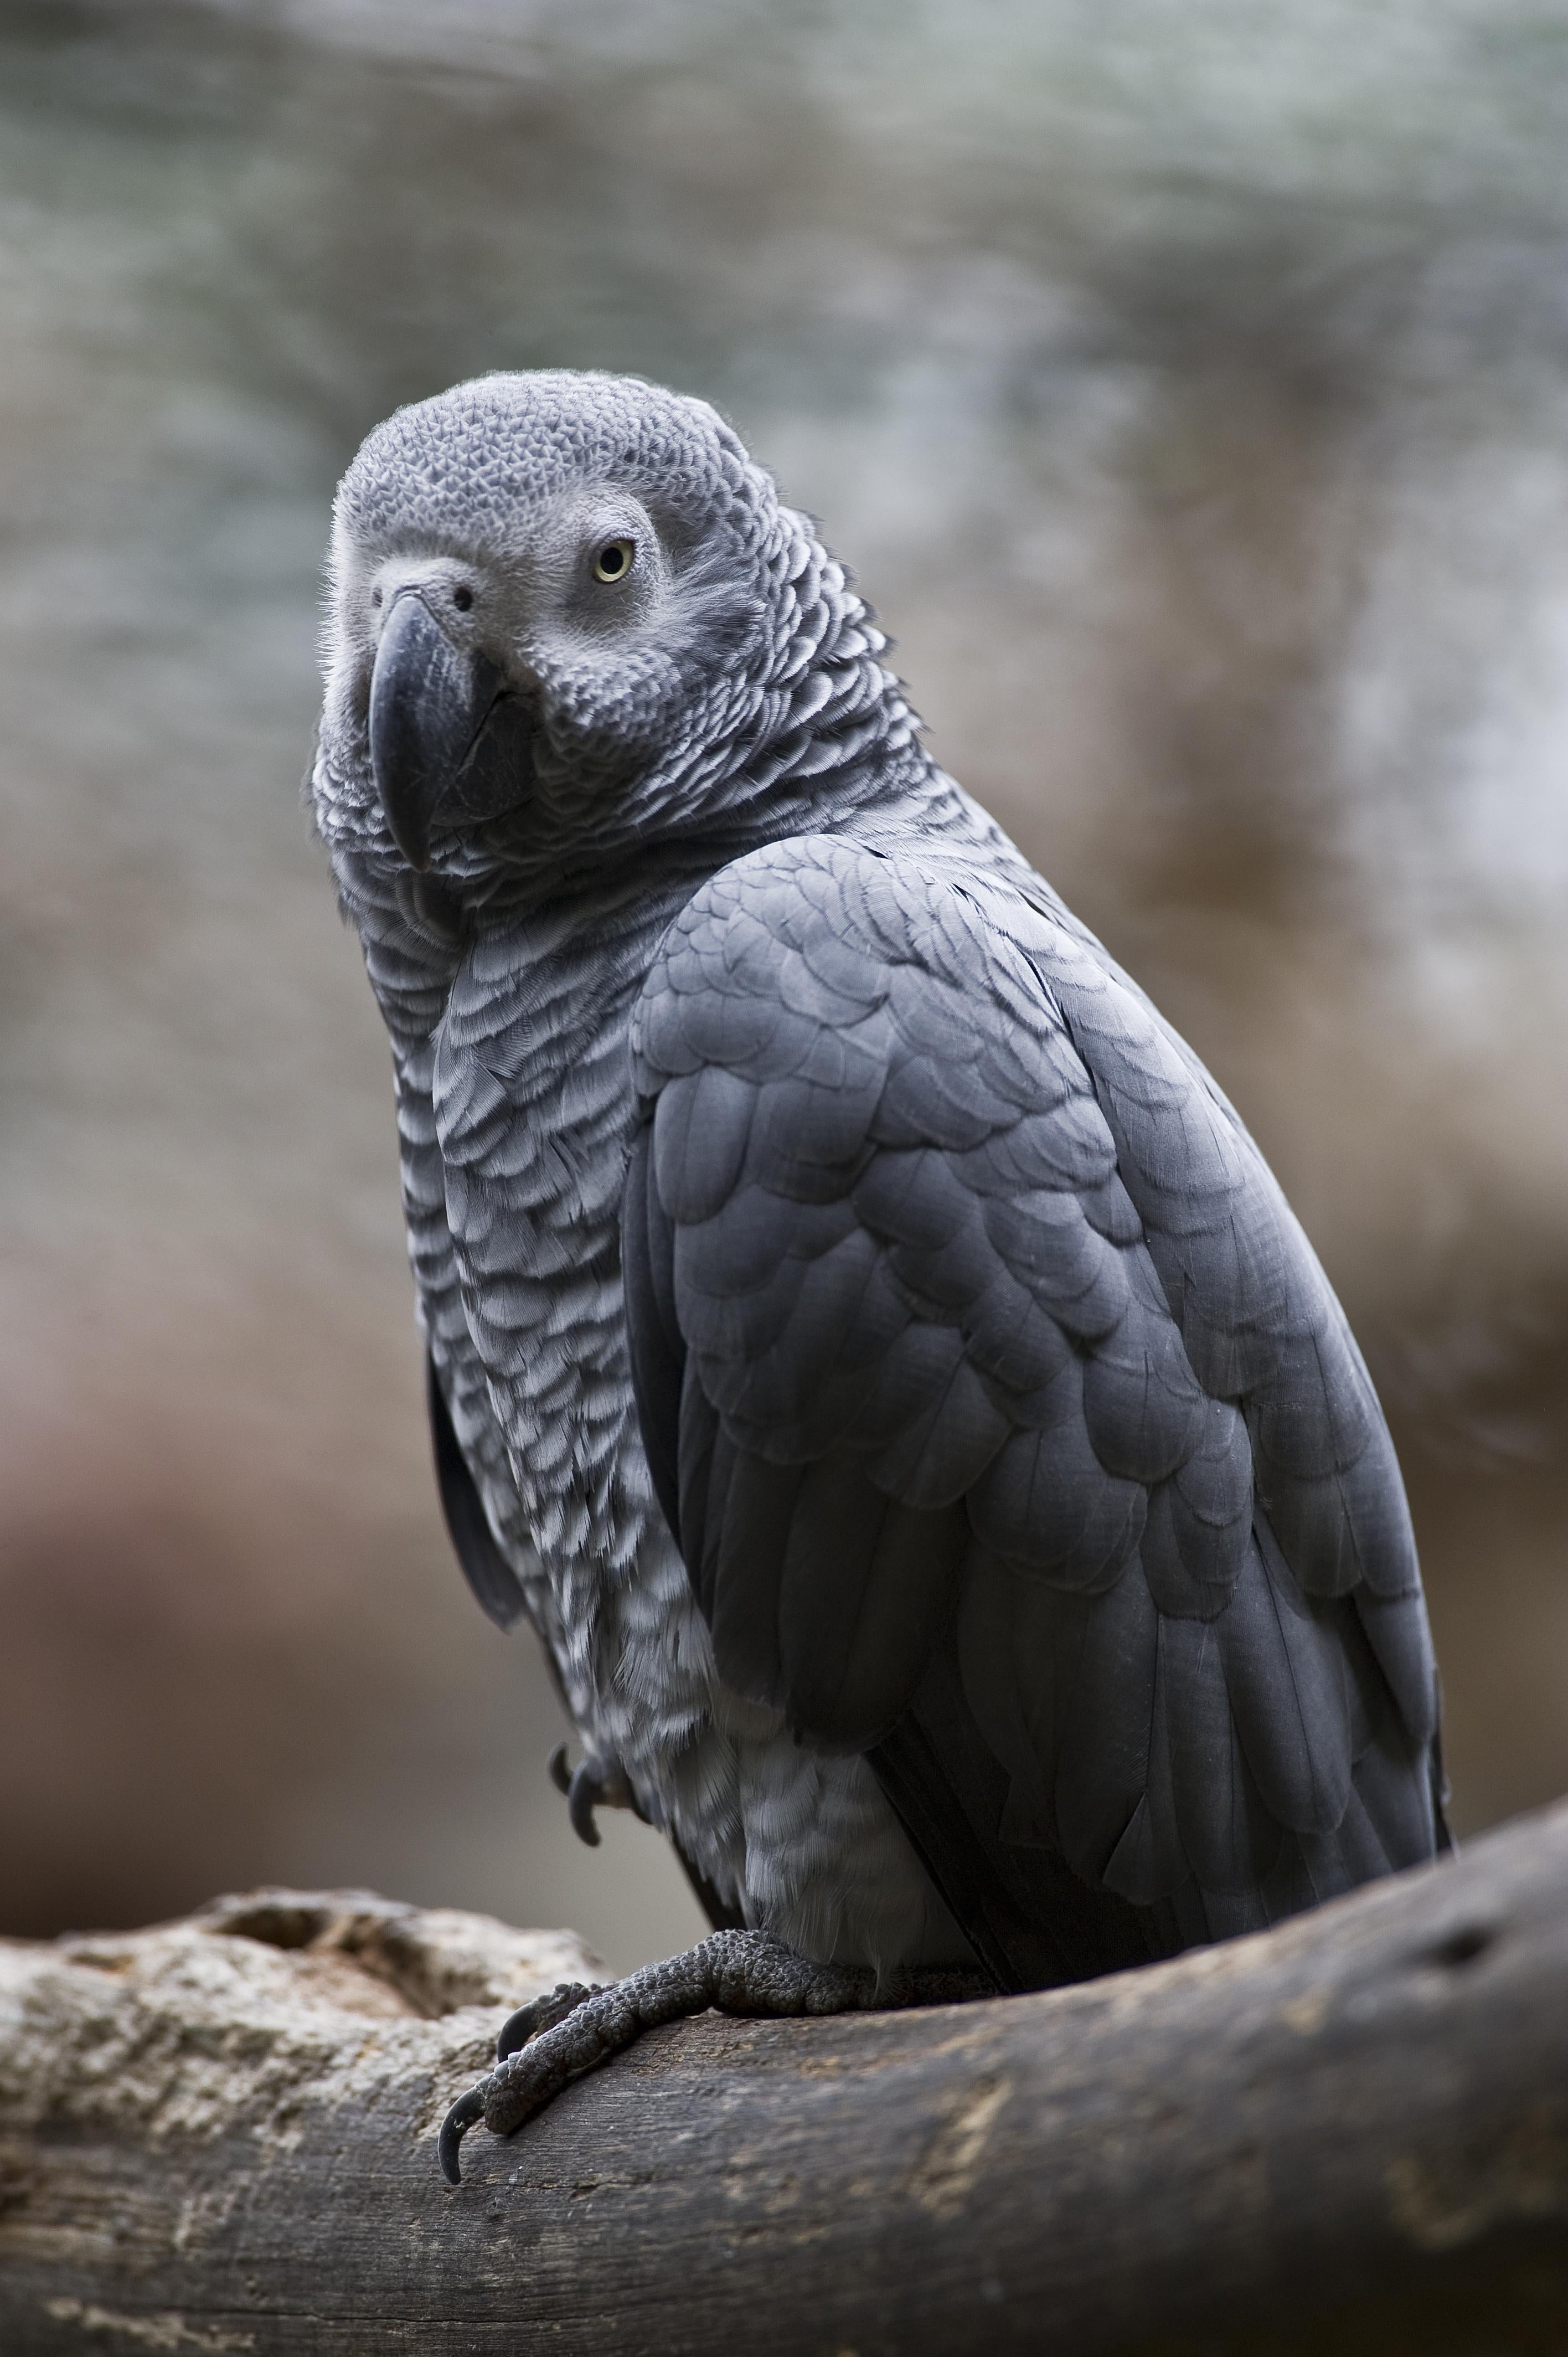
point(450, 743)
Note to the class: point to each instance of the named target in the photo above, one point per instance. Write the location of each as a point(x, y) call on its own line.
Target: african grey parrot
point(863, 1340)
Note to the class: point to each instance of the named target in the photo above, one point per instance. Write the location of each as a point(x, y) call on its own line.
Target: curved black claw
point(584, 1798)
point(593, 1784)
point(541, 2013)
point(454, 2127)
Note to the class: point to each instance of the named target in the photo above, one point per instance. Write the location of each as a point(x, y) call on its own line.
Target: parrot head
point(552, 598)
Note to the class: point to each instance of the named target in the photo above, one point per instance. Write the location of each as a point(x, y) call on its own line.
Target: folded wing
point(1009, 1429)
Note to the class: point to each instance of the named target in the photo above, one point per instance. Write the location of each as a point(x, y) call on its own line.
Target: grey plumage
point(868, 1345)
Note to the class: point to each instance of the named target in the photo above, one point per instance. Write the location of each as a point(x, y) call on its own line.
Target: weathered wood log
point(1350, 2135)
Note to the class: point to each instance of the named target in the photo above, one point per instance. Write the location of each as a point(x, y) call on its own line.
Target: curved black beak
point(449, 742)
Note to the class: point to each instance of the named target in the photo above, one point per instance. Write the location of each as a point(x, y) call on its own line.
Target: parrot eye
point(462, 599)
point(614, 561)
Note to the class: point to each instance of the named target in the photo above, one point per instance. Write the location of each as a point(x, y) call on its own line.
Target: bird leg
point(558, 2038)
point(594, 1784)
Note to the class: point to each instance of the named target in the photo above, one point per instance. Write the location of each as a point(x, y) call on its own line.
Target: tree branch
point(219, 2136)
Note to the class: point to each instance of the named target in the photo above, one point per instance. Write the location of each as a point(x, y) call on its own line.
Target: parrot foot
point(594, 1784)
point(558, 2038)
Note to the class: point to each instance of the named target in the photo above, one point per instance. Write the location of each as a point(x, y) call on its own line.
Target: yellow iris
point(614, 560)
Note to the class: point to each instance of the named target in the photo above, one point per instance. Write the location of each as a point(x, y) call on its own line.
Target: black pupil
point(462, 599)
point(612, 559)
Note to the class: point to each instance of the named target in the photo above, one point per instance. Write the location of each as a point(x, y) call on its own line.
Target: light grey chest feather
point(531, 1088)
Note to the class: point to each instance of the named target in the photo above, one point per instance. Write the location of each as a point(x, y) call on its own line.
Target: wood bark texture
point(1350, 2135)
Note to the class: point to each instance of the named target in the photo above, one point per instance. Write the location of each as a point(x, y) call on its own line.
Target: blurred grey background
point(1186, 384)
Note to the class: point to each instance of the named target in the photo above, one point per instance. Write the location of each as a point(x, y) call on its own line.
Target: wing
point(496, 1586)
point(1008, 1428)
